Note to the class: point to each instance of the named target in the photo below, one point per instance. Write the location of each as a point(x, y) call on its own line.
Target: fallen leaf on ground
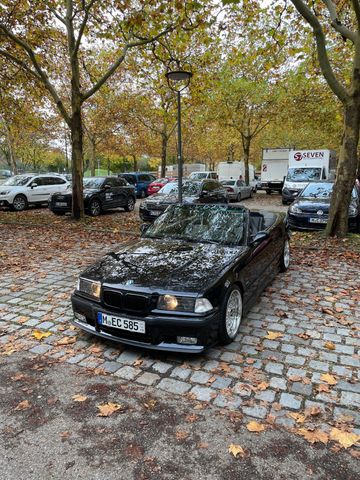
point(138, 362)
point(313, 436)
point(65, 434)
point(323, 388)
point(79, 398)
point(202, 445)
point(66, 341)
point(304, 336)
point(181, 435)
point(298, 417)
point(330, 379)
point(18, 376)
point(262, 386)
point(255, 427)
point(191, 418)
point(107, 409)
point(313, 411)
point(273, 335)
point(150, 403)
point(237, 450)
point(39, 335)
point(330, 345)
point(346, 439)
point(24, 405)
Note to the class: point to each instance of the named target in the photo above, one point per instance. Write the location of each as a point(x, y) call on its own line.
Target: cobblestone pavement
point(298, 348)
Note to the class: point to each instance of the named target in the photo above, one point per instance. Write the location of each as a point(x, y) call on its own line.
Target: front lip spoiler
point(166, 347)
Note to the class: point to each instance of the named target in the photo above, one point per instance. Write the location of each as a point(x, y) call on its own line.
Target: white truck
point(274, 167)
point(233, 170)
point(307, 166)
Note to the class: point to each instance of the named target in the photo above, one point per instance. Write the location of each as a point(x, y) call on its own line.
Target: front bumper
point(146, 216)
point(161, 330)
point(302, 222)
point(4, 202)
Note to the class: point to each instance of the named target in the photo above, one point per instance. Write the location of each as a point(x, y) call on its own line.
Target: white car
point(21, 190)
point(237, 189)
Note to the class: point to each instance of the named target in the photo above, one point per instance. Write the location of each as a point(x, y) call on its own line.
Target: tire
point(284, 202)
point(238, 198)
point(20, 203)
point(268, 192)
point(129, 207)
point(229, 327)
point(285, 257)
point(95, 207)
point(142, 194)
point(251, 193)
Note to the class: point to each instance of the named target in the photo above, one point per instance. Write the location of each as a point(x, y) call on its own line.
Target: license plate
point(121, 323)
point(60, 204)
point(318, 220)
point(155, 213)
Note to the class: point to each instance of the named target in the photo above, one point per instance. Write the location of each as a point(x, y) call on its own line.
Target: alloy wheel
point(286, 254)
point(233, 313)
point(95, 208)
point(19, 203)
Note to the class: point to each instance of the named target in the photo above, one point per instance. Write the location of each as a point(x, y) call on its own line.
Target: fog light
point(80, 317)
point(187, 340)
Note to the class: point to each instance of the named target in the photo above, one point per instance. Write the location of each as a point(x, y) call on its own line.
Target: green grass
point(99, 172)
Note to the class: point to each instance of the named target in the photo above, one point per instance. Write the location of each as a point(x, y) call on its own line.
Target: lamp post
point(178, 80)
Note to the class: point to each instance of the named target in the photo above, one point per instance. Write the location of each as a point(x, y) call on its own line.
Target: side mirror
point(33, 185)
point(259, 237)
point(144, 227)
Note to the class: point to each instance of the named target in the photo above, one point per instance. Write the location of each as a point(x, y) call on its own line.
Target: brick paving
point(314, 312)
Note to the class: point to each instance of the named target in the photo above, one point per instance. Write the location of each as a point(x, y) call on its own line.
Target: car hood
point(68, 193)
point(159, 199)
point(172, 265)
point(310, 204)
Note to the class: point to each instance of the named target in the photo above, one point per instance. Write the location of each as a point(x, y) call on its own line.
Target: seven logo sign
point(264, 168)
point(298, 156)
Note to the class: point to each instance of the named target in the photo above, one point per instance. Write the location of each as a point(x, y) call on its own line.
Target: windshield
point(201, 223)
point(227, 182)
point(93, 182)
point(303, 174)
point(320, 190)
point(17, 181)
point(189, 188)
point(198, 175)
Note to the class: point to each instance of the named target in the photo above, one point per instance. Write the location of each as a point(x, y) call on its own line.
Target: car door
point(108, 193)
point(38, 190)
point(123, 190)
point(56, 184)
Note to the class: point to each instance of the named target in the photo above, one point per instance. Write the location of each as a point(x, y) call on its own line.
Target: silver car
point(237, 189)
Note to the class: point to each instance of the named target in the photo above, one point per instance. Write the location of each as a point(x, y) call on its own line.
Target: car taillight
point(229, 189)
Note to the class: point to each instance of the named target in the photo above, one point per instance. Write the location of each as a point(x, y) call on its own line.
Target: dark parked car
point(194, 191)
point(140, 180)
point(100, 193)
point(310, 210)
point(188, 282)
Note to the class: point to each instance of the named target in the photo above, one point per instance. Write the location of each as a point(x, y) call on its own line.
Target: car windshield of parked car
point(190, 189)
point(228, 182)
point(17, 181)
point(198, 175)
point(93, 183)
point(303, 174)
point(201, 223)
point(320, 190)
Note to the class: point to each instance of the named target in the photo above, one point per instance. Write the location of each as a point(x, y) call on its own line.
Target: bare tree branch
point(356, 6)
point(121, 58)
point(324, 62)
point(41, 73)
point(19, 62)
point(57, 15)
point(336, 23)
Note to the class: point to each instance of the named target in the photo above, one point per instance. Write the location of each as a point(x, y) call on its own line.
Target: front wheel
point(231, 315)
point(238, 198)
point(95, 207)
point(129, 207)
point(20, 203)
point(285, 257)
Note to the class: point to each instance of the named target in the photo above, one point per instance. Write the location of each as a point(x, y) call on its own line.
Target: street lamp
point(178, 80)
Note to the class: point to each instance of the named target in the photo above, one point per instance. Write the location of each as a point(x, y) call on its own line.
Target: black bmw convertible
point(187, 282)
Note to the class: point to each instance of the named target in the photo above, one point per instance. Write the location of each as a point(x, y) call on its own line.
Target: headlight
point(295, 209)
point(179, 304)
point(352, 210)
point(202, 305)
point(6, 192)
point(89, 287)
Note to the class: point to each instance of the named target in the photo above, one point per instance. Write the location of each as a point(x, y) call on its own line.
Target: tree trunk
point(246, 147)
point(164, 142)
point(77, 157)
point(345, 172)
point(135, 162)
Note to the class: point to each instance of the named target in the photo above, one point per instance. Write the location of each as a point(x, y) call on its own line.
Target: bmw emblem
point(320, 212)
